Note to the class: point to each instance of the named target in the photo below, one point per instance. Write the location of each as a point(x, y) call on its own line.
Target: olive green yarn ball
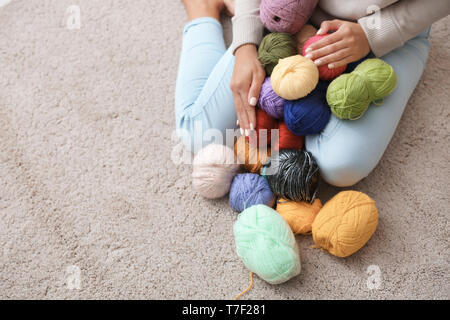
point(275, 46)
point(266, 244)
point(350, 95)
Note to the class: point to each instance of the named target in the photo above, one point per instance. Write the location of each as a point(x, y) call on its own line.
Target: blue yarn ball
point(308, 115)
point(249, 189)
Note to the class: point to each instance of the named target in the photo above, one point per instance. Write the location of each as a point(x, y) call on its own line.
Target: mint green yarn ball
point(350, 95)
point(266, 244)
point(273, 47)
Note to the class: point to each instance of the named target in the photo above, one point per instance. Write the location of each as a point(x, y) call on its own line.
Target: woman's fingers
point(241, 113)
point(330, 25)
point(333, 57)
point(329, 49)
point(341, 62)
point(253, 96)
point(331, 39)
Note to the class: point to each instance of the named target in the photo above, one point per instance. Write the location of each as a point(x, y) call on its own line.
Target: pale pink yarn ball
point(286, 15)
point(214, 170)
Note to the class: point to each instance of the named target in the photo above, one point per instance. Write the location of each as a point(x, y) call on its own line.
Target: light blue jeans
point(346, 151)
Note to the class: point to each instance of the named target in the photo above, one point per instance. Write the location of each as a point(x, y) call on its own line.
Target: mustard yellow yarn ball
point(294, 77)
point(345, 223)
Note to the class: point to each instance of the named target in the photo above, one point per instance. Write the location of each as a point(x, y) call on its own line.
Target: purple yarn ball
point(308, 115)
point(270, 102)
point(249, 189)
point(286, 15)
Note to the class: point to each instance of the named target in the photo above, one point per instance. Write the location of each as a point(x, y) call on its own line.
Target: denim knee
point(342, 169)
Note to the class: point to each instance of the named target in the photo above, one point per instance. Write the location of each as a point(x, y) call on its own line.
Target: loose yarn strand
point(246, 290)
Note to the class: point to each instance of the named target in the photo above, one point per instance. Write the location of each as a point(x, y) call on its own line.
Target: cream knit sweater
point(388, 24)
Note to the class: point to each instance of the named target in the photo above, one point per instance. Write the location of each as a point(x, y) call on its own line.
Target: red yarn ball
point(263, 122)
point(324, 72)
point(288, 140)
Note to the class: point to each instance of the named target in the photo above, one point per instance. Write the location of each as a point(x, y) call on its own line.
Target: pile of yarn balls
point(276, 194)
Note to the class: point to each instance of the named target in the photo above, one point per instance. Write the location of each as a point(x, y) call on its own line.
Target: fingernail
point(319, 31)
point(246, 132)
point(318, 62)
point(309, 49)
point(242, 131)
point(237, 122)
point(308, 56)
point(253, 101)
point(330, 66)
point(251, 127)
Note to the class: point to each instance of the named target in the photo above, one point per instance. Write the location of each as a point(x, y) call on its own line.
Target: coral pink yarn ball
point(325, 73)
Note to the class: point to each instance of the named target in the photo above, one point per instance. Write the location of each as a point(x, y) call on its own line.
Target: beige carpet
point(86, 180)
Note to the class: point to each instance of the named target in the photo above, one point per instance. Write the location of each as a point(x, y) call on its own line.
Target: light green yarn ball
point(350, 94)
point(273, 47)
point(381, 76)
point(266, 244)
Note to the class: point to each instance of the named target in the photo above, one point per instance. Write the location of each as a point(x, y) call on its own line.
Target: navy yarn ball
point(249, 189)
point(308, 115)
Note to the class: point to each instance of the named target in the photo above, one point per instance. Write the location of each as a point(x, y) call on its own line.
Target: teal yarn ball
point(350, 95)
point(266, 244)
point(273, 47)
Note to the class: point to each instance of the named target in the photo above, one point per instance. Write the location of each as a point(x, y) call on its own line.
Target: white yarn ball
point(214, 170)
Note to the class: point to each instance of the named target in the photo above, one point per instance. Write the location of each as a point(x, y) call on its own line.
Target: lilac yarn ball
point(270, 102)
point(286, 15)
point(249, 189)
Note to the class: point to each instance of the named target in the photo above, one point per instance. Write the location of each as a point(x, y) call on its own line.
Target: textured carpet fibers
point(87, 182)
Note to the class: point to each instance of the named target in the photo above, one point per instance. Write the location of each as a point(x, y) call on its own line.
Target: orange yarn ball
point(299, 215)
point(288, 140)
point(263, 122)
point(251, 158)
point(306, 32)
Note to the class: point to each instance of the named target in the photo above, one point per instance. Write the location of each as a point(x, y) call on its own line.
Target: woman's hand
point(246, 84)
point(346, 45)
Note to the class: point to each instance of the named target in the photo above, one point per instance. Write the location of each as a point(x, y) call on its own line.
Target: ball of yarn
point(380, 75)
point(350, 94)
point(308, 115)
point(293, 175)
point(250, 157)
point(300, 38)
point(299, 215)
point(286, 15)
point(325, 73)
point(294, 77)
point(249, 189)
point(273, 47)
point(214, 168)
point(345, 223)
point(270, 102)
point(288, 140)
point(264, 125)
point(266, 244)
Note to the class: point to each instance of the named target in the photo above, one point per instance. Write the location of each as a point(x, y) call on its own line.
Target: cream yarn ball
point(213, 171)
point(294, 77)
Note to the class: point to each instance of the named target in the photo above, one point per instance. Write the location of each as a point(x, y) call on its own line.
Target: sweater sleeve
point(247, 25)
point(389, 28)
